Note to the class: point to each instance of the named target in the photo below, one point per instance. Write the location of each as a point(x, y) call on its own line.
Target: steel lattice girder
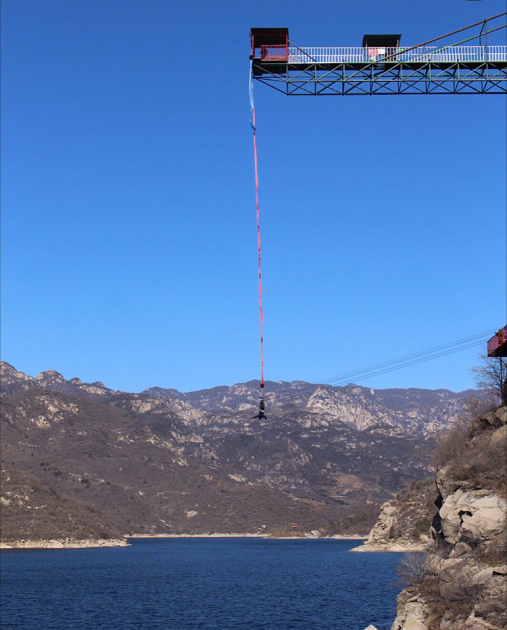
point(426, 78)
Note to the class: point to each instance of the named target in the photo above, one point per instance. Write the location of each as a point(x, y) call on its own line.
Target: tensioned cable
point(473, 337)
point(397, 363)
point(422, 359)
point(459, 30)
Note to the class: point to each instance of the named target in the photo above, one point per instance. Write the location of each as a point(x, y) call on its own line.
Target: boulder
point(478, 623)
point(487, 520)
point(500, 436)
point(445, 483)
point(489, 418)
point(501, 414)
point(472, 515)
point(460, 549)
point(412, 616)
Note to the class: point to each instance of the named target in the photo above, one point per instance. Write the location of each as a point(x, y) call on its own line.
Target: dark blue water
point(199, 584)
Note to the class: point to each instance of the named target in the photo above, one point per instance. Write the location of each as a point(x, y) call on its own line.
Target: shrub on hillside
point(469, 453)
point(430, 576)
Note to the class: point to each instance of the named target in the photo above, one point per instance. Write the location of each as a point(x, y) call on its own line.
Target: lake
point(200, 584)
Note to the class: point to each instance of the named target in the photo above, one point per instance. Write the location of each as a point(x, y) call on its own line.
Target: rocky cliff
point(461, 583)
point(404, 520)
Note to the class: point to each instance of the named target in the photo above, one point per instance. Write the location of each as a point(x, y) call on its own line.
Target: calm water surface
point(200, 584)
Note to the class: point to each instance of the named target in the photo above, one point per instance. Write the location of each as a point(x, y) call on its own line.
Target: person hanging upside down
point(262, 407)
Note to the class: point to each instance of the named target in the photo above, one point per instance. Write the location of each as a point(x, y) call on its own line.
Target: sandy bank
point(71, 543)
point(67, 543)
point(143, 536)
point(392, 547)
point(269, 536)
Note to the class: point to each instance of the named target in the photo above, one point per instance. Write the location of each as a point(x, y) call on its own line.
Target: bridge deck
point(278, 60)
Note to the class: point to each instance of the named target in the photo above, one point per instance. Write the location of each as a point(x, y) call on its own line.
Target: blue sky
point(128, 209)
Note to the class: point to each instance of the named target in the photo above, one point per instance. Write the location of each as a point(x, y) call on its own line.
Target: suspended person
point(262, 408)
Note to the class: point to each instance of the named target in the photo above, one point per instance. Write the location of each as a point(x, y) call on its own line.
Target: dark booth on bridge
point(272, 44)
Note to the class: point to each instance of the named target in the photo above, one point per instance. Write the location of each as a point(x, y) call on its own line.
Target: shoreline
point(236, 535)
point(392, 548)
point(68, 543)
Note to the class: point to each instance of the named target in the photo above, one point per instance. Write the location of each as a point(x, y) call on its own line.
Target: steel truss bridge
point(370, 70)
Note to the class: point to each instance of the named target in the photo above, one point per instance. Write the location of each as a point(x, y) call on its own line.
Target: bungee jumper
point(262, 407)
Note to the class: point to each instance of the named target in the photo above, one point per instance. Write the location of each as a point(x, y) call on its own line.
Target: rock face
point(474, 516)
point(387, 521)
point(461, 583)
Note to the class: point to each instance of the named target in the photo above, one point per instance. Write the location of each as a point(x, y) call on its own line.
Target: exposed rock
point(473, 516)
point(462, 583)
point(412, 614)
point(67, 543)
point(12, 380)
point(404, 521)
point(500, 436)
point(386, 520)
point(501, 415)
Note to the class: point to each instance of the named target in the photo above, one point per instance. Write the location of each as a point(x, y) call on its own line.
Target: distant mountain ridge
point(425, 411)
point(165, 461)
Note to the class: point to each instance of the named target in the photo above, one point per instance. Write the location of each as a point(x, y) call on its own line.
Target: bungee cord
point(252, 123)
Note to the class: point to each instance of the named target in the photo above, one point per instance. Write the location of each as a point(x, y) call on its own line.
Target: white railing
point(422, 54)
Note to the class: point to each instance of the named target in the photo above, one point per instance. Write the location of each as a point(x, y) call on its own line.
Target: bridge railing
point(421, 54)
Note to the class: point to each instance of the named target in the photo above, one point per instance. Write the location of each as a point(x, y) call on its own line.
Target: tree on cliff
point(491, 375)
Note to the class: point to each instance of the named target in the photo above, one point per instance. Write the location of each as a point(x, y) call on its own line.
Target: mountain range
point(165, 462)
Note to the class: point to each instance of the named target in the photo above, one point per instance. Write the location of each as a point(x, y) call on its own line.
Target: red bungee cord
point(258, 246)
point(252, 122)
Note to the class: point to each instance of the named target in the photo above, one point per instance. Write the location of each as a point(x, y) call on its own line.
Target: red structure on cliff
point(497, 345)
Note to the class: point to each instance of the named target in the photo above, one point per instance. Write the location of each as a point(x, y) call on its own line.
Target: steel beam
point(387, 79)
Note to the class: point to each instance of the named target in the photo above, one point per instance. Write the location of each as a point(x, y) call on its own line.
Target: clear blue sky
point(129, 236)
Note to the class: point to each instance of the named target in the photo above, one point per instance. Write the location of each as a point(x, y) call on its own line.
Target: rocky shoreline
point(240, 535)
point(403, 523)
point(391, 547)
point(71, 543)
point(66, 543)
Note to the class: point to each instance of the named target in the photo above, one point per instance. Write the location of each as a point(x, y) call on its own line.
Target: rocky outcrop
point(412, 614)
point(475, 516)
point(404, 521)
point(462, 595)
point(13, 381)
point(461, 583)
point(387, 521)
